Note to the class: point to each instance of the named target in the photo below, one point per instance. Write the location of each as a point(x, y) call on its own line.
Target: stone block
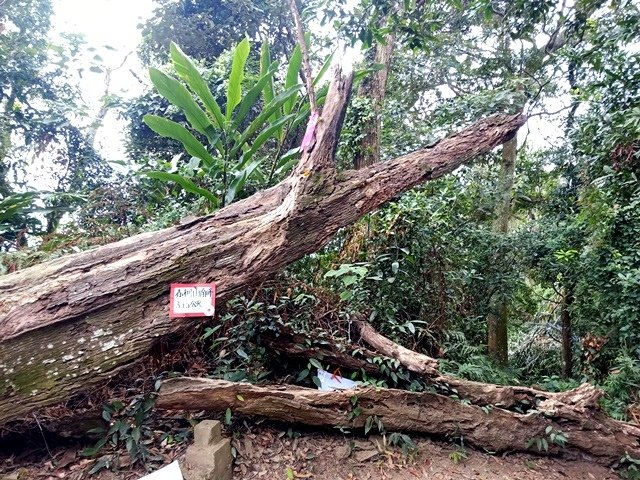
point(209, 458)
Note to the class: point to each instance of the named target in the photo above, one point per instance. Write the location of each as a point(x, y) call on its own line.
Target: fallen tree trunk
point(303, 346)
point(74, 322)
point(415, 362)
point(505, 396)
point(604, 441)
point(353, 357)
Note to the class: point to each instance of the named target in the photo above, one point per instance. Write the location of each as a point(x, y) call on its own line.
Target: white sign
point(192, 300)
point(329, 382)
point(170, 472)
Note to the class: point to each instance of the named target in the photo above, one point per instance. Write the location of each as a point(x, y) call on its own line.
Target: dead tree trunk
point(74, 322)
point(355, 358)
point(604, 441)
point(415, 362)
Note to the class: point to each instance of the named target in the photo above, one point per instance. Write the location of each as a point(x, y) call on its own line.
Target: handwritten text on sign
point(192, 300)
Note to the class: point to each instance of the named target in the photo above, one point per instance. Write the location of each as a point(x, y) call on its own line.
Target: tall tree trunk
point(567, 344)
point(5, 144)
point(74, 322)
point(373, 88)
point(498, 317)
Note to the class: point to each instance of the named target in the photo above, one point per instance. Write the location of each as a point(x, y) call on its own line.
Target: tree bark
point(304, 346)
point(74, 322)
point(567, 344)
point(354, 358)
point(497, 339)
point(374, 88)
point(413, 361)
point(600, 438)
point(5, 144)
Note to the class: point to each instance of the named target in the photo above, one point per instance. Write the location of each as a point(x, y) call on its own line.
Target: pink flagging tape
point(309, 134)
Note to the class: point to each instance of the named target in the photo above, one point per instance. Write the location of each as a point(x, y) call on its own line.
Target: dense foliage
point(428, 268)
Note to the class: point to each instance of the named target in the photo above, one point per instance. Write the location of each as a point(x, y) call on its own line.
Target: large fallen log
point(74, 322)
point(355, 358)
point(304, 346)
point(415, 362)
point(505, 396)
point(604, 441)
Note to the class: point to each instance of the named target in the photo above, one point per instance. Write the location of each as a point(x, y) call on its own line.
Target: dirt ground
point(270, 452)
point(270, 455)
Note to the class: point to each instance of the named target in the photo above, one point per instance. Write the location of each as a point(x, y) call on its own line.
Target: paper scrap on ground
point(170, 472)
point(330, 382)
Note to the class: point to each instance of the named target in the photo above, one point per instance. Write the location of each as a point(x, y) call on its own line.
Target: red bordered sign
point(192, 300)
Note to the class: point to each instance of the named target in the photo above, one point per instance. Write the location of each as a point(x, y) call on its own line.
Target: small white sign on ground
point(170, 472)
point(329, 382)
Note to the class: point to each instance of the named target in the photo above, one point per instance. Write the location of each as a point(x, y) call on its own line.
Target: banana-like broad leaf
point(265, 61)
point(252, 95)
point(360, 74)
point(189, 73)
point(176, 93)
point(287, 161)
point(257, 123)
point(185, 183)
point(323, 70)
point(171, 129)
point(16, 204)
point(265, 135)
point(234, 88)
point(292, 77)
point(241, 178)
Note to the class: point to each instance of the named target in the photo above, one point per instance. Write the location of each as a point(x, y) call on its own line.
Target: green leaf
point(348, 280)
point(293, 72)
point(346, 295)
point(99, 465)
point(287, 161)
point(185, 183)
point(234, 88)
point(323, 69)
point(16, 204)
point(171, 129)
point(265, 61)
point(227, 416)
point(315, 363)
point(257, 123)
point(240, 179)
point(368, 425)
point(188, 72)
point(176, 93)
point(242, 354)
point(266, 134)
point(252, 95)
